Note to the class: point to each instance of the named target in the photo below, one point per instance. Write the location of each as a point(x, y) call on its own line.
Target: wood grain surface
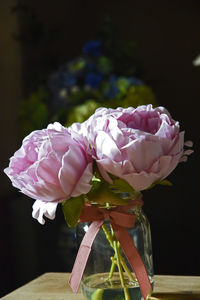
point(54, 286)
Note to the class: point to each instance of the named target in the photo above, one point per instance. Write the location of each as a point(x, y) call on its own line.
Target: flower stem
point(97, 295)
point(126, 269)
point(126, 292)
point(112, 268)
point(111, 240)
point(108, 235)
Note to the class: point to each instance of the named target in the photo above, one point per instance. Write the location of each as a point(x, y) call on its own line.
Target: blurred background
point(61, 60)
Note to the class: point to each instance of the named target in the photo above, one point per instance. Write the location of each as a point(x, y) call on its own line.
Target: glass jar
point(101, 279)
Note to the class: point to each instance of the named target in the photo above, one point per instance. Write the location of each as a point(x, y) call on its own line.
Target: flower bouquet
point(102, 75)
point(79, 85)
point(97, 170)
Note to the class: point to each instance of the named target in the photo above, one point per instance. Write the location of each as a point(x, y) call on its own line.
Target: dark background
point(167, 37)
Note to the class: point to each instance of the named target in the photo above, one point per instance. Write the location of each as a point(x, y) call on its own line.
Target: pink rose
point(51, 166)
point(141, 145)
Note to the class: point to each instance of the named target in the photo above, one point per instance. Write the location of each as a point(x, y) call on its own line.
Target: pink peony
point(51, 166)
point(141, 146)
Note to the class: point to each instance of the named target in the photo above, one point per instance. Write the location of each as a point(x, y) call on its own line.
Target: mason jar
point(102, 279)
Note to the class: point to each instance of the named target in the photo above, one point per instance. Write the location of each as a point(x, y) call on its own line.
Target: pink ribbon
point(120, 219)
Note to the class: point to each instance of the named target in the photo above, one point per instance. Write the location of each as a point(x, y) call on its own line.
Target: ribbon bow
point(120, 220)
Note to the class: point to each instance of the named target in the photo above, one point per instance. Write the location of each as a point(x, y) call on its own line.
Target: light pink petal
point(114, 130)
point(47, 209)
point(60, 142)
point(178, 144)
point(45, 192)
point(188, 152)
point(110, 166)
point(73, 165)
point(48, 169)
point(55, 126)
point(19, 163)
point(167, 131)
point(21, 180)
point(44, 149)
point(166, 165)
point(183, 159)
point(83, 186)
point(163, 110)
point(143, 153)
point(106, 147)
point(162, 166)
point(140, 181)
point(128, 167)
point(188, 144)
point(103, 172)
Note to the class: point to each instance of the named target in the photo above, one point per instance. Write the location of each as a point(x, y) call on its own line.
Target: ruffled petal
point(41, 208)
point(48, 169)
point(73, 165)
point(140, 181)
point(143, 153)
point(83, 186)
point(106, 147)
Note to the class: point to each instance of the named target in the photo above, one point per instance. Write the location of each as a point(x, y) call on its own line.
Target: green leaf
point(72, 209)
point(96, 179)
point(122, 186)
point(96, 185)
point(165, 182)
point(103, 195)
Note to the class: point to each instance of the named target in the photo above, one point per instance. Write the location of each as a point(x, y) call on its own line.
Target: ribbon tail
point(134, 259)
point(83, 254)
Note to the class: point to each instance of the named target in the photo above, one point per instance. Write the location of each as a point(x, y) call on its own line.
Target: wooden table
point(54, 286)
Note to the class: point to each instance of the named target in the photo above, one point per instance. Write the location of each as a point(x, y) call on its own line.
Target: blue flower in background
point(93, 79)
point(59, 83)
point(93, 48)
point(135, 81)
point(112, 79)
point(111, 90)
point(62, 78)
point(91, 66)
point(67, 79)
